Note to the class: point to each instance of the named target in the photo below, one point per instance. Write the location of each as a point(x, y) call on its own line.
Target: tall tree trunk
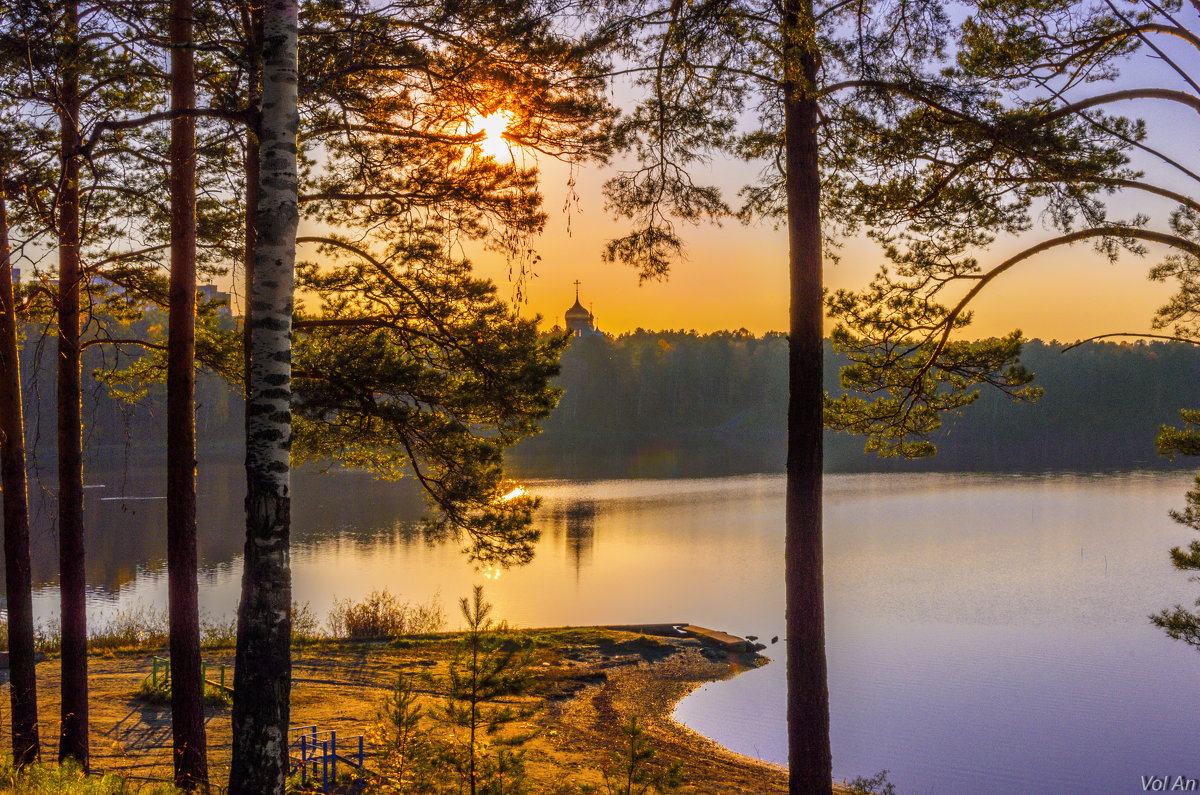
point(72, 577)
point(253, 23)
point(187, 686)
point(262, 674)
point(18, 580)
point(809, 758)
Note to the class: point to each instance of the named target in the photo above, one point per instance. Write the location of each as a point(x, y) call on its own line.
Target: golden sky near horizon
point(735, 276)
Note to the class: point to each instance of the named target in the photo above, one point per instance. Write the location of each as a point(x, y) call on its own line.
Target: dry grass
point(383, 615)
point(141, 627)
point(67, 779)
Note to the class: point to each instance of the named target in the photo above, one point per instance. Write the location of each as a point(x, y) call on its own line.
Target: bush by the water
point(878, 784)
point(133, 627)
point(380, 615)
point(383, 615)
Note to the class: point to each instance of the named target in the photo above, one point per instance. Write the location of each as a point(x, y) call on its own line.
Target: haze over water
point(987, 633)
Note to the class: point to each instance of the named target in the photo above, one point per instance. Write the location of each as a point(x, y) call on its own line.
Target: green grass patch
point(68, 779)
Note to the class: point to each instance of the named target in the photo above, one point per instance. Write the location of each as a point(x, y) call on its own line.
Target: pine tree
point(68, 83)
point(410, 754)
point(73, 740)
point(18, 577)
point(851, 101)
point(486, 666)
point(187, 683)
point(630, 771)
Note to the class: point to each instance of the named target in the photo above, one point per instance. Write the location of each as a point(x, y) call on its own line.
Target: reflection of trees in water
point(377, 535)
point(576, 522)
point(588, 457)
point(126, 538)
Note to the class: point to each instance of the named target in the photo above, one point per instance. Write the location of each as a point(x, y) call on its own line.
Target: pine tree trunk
point(262, 675)
point(809, 759)
point(187, 686)
point(18, 580)
point(73, 741)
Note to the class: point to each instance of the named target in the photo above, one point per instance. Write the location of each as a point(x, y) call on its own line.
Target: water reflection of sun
point(493, 126)
point(519, 491)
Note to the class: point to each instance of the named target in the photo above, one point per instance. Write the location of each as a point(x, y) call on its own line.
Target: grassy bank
point(141, 627)
point(68, 779)
point(585, 682)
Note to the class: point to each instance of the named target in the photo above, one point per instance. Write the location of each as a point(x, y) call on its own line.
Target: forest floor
point(587, 681)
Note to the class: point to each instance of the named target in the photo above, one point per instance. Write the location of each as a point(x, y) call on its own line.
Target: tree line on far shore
point(1102, 406)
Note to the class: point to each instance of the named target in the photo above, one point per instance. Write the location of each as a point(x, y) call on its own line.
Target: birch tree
point(262, 673)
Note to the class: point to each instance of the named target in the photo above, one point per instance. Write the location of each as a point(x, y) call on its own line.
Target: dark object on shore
point(712, 637)
point(722, 640)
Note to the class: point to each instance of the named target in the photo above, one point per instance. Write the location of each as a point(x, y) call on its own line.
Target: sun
point(493, 126)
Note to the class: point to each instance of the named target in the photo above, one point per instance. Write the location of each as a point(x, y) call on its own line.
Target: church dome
point(577, 311)
point(580, 322)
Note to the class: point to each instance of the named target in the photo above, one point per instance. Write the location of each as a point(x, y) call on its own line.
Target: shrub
point(383, 615)
point(133, 627)
point(48, 637)
point(878, 784)
point(68, 779)
point(304, 624)
point(218, 633)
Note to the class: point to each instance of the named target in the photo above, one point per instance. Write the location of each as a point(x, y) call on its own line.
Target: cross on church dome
point(579, 320)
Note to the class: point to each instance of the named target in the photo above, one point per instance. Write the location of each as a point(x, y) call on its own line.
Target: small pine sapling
point(630, 772)
point(487, 665)
point(878, 784)
point(410, 754)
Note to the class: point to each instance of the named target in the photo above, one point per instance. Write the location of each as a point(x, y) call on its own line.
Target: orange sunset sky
point(735, 276)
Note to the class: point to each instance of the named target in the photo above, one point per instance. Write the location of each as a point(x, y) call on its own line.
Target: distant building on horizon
point(580, 321)
point(212, 294)
point(108, 285)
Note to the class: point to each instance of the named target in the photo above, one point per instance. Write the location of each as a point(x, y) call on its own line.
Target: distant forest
point(680, 403)
point(115, 427)
point(685, 403)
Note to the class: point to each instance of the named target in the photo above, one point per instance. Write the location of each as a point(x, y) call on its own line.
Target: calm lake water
point(987, 634)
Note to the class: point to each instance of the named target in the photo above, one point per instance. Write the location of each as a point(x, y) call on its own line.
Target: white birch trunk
point(262, 677)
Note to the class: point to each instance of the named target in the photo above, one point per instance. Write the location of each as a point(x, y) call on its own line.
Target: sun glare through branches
point(493, 126)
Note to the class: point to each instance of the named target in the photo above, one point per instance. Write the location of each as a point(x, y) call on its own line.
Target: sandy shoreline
point(587, 680)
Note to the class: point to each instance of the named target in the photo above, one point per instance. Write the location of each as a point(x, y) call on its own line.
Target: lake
point(986, 633)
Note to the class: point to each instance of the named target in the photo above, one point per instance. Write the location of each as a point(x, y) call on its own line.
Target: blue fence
point(315, 754)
